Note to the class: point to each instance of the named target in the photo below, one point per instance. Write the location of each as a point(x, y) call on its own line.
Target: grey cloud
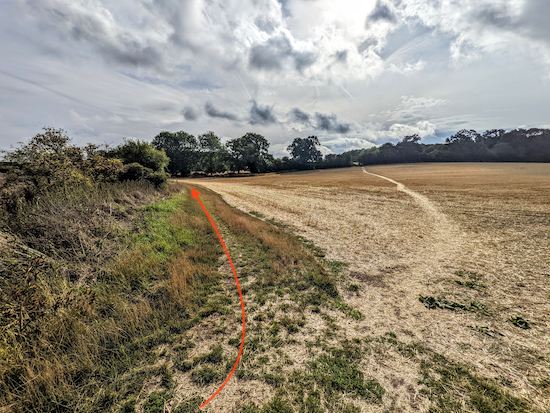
point(342, 56)
point(96, 27)
point(215, 113)
point(265, 24)
point(331, 123)
point(300, 115)
point(270, 54)
point(189, 113)
point(494, 16)
point(535, 19)
point(183, 16)
point(381, 12)
point(366, 44)
point(303, 60)
point(261, 115)
point(284, 8)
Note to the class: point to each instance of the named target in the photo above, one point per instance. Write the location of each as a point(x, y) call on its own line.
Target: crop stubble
point(491, 219)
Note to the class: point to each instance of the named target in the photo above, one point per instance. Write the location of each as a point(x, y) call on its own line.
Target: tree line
point(495, 145)
point(206, 153)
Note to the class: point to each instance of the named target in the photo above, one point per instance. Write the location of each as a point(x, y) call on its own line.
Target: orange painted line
point(195, 194)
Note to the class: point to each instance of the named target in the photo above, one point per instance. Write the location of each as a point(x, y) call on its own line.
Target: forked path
point(447, 234)
point(422, 200)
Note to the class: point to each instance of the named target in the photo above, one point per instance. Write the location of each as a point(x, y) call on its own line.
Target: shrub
point(134, 172)
point(141, 152)
point(159, 179)
point(49, 160)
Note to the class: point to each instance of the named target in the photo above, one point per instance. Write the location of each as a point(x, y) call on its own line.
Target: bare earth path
point(491, 219)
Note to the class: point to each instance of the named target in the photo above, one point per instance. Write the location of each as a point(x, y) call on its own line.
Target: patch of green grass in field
point(520, 322)
point(256, 214)
point(190, 405)
point(214, 357)
point(431, 302)
point(156, 401)
point(206, 375)
point(451, 387)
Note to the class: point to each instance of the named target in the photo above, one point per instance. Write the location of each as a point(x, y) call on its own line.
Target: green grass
point(206, 375)
point(156, 402)
point(520, 322)
point(452, 387)
point(431, 303)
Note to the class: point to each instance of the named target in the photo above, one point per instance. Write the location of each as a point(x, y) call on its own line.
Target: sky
point(354, 73)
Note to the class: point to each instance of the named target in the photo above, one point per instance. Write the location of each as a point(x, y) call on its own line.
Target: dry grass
point(491, 219)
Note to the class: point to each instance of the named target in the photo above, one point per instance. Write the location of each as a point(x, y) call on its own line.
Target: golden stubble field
point(405, 230)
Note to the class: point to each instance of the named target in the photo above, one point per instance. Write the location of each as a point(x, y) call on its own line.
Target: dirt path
point(421, 199)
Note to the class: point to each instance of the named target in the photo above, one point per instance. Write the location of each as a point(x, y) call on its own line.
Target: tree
point(213, 154)
point(250, 152)
point(464, 136)
point(411, 139)
point(136, 151)
point(182, 148)
point(305, 151)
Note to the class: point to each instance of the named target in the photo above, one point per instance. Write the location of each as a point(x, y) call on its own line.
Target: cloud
point(331, 123)
point(300, 116)
point(341, 56)
point(190, 113)
point(95, 25)
point(271, 54)
point(381, 12)
point(411, 108)
point(141, 59)
point(339, 143)
point(320, 121)
point(261, 115)
point(215, 113)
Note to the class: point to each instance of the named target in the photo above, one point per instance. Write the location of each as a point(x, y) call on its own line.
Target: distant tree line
point(495, 145)
point(250, 153)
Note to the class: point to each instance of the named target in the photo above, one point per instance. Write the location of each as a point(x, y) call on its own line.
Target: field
point(471, 241)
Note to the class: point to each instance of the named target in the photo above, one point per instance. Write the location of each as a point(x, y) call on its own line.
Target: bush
point(134, 172)
point(159, 179)
point(48, 161)
point(142, 153)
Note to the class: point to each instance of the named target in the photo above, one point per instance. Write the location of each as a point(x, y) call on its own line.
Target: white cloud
point(412, 107)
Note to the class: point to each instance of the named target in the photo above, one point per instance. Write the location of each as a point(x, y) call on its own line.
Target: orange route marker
point(195, 194)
